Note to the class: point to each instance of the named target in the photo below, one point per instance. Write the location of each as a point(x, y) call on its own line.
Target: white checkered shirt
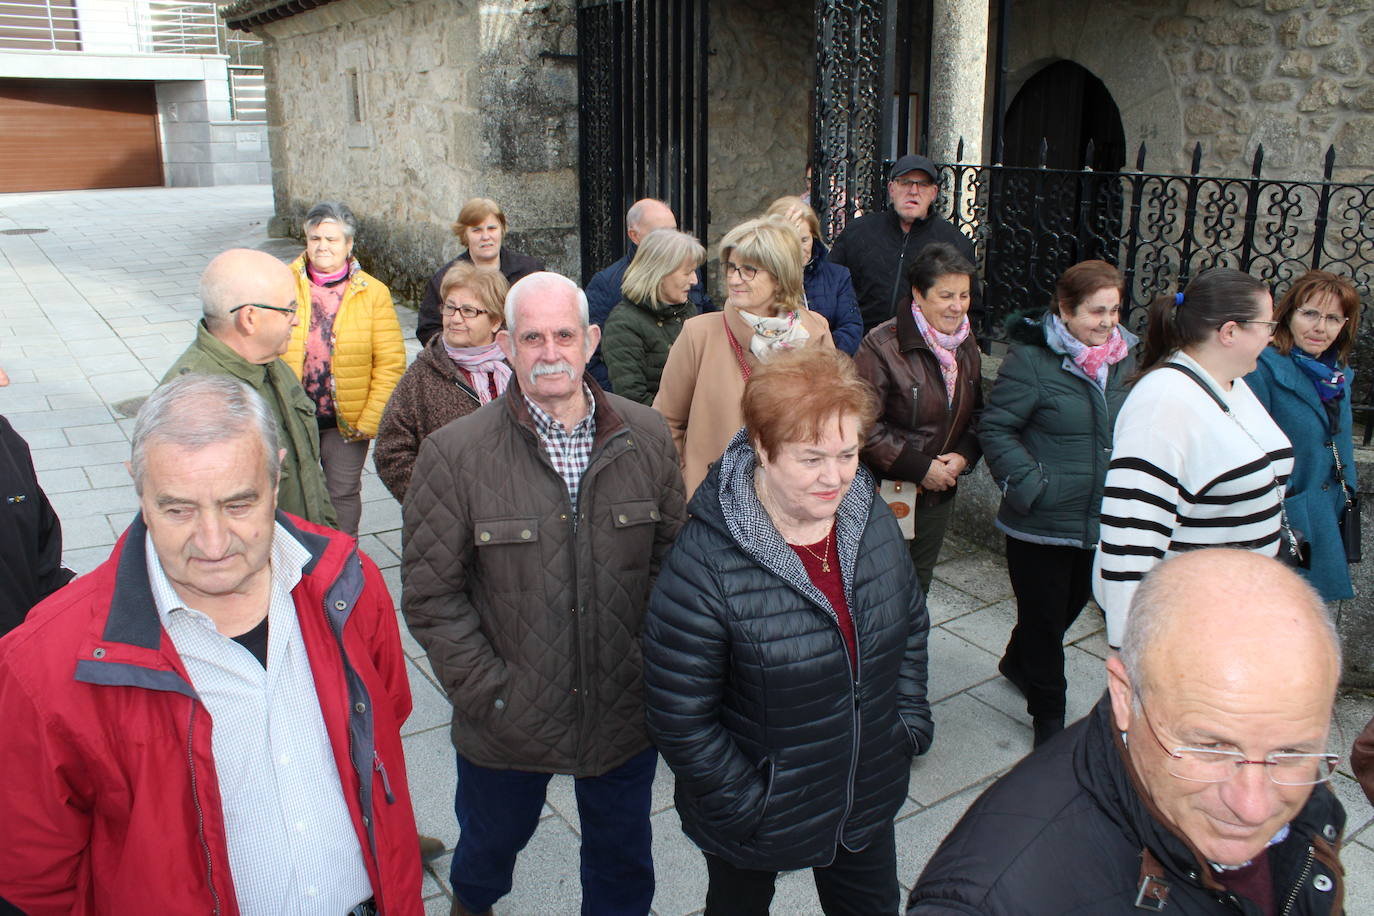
point(569, 451)
point(292, 847)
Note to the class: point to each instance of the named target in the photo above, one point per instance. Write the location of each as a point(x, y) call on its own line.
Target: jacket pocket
point(633, 512)
point(1025, 493)
point(634, 522)
point(489, 532)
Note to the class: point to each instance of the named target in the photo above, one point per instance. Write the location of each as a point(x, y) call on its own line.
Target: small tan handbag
point(900, 496)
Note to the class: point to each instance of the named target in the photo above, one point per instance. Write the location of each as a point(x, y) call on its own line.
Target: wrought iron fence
point(1030, 224)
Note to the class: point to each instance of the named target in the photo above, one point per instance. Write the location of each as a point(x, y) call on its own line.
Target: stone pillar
point(959, 47)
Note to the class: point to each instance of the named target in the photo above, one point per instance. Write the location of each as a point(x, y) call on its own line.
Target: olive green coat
point(636, 343)
point(301, 491)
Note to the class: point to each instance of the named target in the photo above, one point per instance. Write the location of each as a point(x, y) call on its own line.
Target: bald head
point(1230, 612)
point(647, 215)
point(248, 299)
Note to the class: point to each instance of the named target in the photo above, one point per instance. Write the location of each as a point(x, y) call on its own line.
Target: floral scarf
point(776, 334)
point(1094, 361)
point(487, 366)
point(943, 346)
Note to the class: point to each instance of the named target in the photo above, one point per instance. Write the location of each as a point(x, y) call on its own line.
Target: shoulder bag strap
point(739, 352)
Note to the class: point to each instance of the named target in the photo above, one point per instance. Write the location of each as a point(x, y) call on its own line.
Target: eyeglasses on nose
point(743, 271)
point(914, 184)
point(270, 308)
point(1271, 326)
point(466, 311)
point(1312, 316)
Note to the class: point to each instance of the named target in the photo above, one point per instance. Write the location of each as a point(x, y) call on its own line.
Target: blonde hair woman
point(714, 355)
point(829, 289)
point(641, 329)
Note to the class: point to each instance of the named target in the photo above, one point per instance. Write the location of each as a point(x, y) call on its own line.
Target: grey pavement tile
point(117, 386)
point(373, 488)
point(380, 515)
point(408, 643)
point(919, 835)
point(795, 892)
point(1358, 860)
point(438, 905)
point(679, 869)
point(432, 773)
point(982, 574)
point(945, 602)
point(392, 576)
point(122, 361)
point(66, 479)
point(1086, 676)
point(956, 664)
point(89, 435)
point(85, 531)
point(109, 501)
point(988, 628)
point(436, 877)
point(1095, 644)
point(44, 438)
point(375, 548)
point(1358, 813)
point(55, 373)
point(429, 707)
point(546, 875)
point(85, 559)
point(66, 401)
point(972, 742)
point(74, 456)
point(57, 419)
point(1090, 621)
point(392, 539)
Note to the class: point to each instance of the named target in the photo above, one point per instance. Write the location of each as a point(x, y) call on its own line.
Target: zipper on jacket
point(1302, 879)
point(915, 407)
point(200, 814)
point(897, 280)
point(381, 770)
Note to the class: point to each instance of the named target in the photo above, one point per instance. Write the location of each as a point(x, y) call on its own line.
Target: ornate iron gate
point(641, 117)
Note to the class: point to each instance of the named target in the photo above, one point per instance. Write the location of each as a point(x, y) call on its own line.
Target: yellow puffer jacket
point(369, 353)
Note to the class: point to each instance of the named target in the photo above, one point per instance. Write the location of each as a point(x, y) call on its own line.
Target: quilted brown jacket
point(530, 620)
point(917, 422)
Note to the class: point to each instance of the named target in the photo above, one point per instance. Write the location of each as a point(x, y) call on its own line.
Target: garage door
point(58, 135)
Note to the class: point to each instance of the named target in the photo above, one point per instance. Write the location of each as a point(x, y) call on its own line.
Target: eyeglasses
point(743, 271)
point(1312, 316)
point(270, 308)
point(913, 184)
point(1272, 325)
point(466, 311)
point(1199, 764)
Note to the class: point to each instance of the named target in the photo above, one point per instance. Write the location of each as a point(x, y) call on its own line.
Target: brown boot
point(431, 848)
point(460, 910)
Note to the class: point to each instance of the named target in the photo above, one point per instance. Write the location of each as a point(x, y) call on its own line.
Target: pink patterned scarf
point(943, 346)
point(1094, 361)
point(486, 365)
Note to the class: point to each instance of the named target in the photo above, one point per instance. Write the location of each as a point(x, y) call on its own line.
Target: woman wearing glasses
point(1196, 460)
point(1303, 380)
point(703, 379)
point(460, 369)
point(347, 351)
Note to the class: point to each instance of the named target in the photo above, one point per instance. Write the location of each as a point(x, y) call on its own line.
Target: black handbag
point(1350, 515)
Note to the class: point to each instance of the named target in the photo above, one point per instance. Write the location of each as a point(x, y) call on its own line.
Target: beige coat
point(702, 386)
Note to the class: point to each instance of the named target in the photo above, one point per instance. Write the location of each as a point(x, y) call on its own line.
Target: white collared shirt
point(293, 850)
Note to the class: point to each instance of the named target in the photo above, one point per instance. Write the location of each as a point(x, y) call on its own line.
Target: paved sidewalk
point(94, 309)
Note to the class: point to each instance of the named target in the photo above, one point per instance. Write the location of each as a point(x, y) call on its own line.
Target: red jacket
point(109, 801)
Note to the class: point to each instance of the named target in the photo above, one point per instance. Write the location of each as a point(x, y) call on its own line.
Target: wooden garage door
point(58, 135)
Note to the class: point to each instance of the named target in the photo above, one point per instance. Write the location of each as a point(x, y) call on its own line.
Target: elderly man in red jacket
point(210, 721)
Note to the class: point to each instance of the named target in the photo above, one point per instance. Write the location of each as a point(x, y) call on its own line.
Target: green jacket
point(636, 344)
point(1046, 432)
point(301, 491)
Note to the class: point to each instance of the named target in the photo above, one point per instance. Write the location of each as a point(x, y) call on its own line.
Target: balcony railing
point(121, 27)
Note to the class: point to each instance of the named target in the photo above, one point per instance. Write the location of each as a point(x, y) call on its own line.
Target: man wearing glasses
point(878, 247)
point(1197, 785)
point(248, 307)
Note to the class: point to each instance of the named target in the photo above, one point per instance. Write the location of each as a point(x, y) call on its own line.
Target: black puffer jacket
point(30, 536)
point(1066, 833)
point(779, 752)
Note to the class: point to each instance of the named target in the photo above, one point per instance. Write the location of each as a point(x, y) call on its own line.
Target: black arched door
point(1063, 150)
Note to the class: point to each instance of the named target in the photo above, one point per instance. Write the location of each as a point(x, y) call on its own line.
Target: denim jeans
point(498, 811)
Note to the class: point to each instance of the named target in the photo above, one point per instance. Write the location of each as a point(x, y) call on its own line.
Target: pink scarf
point(486, 365)
point(943, 346)
point(320, 279)
point(1094, 361)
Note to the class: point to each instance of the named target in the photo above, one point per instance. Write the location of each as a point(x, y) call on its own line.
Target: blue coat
point(603, 294)
point(1314, 499)
point(830, 293)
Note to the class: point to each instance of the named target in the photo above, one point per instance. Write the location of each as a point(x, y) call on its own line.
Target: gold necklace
point(825, 552)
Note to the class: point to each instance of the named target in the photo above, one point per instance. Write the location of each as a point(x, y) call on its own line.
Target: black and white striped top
point(1184, 476)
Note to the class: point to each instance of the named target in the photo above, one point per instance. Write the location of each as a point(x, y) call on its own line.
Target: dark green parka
point(1046, 433)
point(636, 343)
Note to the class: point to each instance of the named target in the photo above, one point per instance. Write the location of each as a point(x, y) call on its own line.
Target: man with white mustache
point(534, 528)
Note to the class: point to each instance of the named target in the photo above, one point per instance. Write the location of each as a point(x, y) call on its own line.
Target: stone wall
point(761, 73)
point(406, 108)
point(1293, 75)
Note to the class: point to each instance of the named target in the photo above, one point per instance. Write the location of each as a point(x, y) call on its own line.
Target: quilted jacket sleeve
point(913, 705)
point(436, 598)
point(388, 361)
point(686, 665)
point(1014, 399)
point(623, 350)
point(849, 322)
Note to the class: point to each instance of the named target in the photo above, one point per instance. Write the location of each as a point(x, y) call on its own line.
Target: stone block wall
point(201, 146)
point(1293, 75)
point(406, 108)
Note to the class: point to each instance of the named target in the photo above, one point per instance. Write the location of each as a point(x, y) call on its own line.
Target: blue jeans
point(498, 811)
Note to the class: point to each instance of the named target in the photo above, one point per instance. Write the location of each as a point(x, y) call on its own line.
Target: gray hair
point(332, 211)
point(195, 411)
point(218, 294)
point(662, 252)
point(636, 211)
point(538, 281)
point(1160, 592)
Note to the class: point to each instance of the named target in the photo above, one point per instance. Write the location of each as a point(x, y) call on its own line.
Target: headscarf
point(943, 346)
point(776, 334)
point(1331, 383)
point(1094, 361)
point(485, 364)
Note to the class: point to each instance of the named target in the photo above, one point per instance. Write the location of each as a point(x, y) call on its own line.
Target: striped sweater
point(1184, 476)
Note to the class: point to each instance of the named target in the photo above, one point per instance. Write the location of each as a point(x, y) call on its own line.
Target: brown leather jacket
point(916, 422)
point(531, 619)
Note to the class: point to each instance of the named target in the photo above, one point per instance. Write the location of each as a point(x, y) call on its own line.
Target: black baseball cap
point(912, 163)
